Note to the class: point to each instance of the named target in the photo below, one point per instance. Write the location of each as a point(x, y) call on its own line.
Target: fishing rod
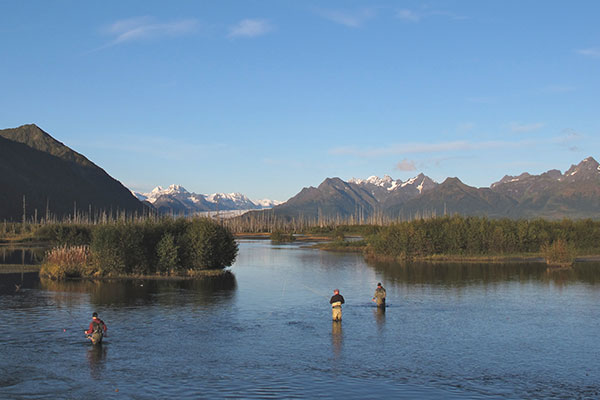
point(314, 291)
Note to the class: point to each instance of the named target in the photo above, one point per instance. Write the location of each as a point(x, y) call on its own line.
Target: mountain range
point(41, 177)
point(552, 195)
point(178, 201)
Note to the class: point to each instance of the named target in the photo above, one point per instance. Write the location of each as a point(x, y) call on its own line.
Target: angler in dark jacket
point(379, 296)
point(336, 305)
point(97, 329)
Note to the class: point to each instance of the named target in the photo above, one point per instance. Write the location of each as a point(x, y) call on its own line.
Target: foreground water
point(264, 331)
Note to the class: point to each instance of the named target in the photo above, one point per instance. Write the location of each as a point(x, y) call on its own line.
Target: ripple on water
point(268, 336)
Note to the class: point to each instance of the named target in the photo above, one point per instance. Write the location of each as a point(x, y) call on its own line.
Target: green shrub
point(474, 236)
point(281, 237)
point(166, 251)
point(208, 245)
point(118, 248)
point(65, 234)
point(164, 247)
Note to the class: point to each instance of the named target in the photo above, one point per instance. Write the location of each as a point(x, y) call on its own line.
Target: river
point(265, 331)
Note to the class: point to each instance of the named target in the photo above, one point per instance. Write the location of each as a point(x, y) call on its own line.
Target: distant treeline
point(269, 221)
point(164, 247)
point(479, 236)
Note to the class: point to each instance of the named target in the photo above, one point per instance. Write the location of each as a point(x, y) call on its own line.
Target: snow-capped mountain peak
point(267, 203)
point(588, 168)
point(384, 182)
point(192, 202)
point(419, 182)
point(175, 189)
point(411, 181)
point(236, 197)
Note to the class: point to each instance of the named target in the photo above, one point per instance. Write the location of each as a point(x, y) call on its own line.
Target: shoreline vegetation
point(478, 239)
point(457, 239)
point(167, 248)
point(184, 247)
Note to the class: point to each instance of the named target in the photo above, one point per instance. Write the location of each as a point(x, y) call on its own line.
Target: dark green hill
point(333, 198)
point(54, 179)
point(454, 197)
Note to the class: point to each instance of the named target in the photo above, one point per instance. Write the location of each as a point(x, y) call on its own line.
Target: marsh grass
point(68, 262)
point(558, 253)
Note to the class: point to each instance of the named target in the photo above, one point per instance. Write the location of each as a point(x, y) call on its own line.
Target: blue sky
point(267, 97)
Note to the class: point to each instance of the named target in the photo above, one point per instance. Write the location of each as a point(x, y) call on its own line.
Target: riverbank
point(361, 246)
point(301, 237)
point(18, 269)
point(209, 273)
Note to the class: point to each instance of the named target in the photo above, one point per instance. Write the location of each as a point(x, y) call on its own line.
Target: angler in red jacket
point(97, 329)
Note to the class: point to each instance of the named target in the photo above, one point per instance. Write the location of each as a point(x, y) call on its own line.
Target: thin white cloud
point(351, 19)
point(163, 148)
point(558, 89)
point(481, 100)
point(589, 52)
point(412, 148)
point(250, 28)
point(569, 139)
point(448, 14)
point(465, 127)
point(146, 28)
point(518, 127)
point(405, 14)
point(408, 15)
point(406, 165)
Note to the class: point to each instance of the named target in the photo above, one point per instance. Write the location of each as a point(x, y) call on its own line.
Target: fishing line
point(314, 291)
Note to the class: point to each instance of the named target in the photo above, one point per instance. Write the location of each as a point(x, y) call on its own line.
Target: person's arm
point(90, 329)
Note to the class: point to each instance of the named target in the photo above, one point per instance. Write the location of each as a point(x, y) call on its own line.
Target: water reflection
point(131, 292)
point(17, 283)
point(379, 314)
point(337, 338)
point(466, 274)
point(582, 272)
point(21, 256)
point(515, 341)
point(96, 357)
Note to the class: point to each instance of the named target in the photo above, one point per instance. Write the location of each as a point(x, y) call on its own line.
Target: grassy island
point(476, 239)
point(168, 247)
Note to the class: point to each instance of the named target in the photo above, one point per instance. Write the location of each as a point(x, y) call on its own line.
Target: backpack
point(98, 327)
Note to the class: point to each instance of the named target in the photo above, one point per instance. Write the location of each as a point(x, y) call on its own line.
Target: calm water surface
point(264, 331)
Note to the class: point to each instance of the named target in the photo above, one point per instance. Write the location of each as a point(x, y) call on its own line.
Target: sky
point(267, 97)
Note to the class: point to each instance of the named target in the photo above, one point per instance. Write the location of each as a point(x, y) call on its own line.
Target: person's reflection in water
point(96, 356)
point(336, 338)
point(379, 313)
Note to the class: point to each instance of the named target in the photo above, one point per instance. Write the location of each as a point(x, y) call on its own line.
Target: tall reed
point(558, 253)
point(67, 262)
